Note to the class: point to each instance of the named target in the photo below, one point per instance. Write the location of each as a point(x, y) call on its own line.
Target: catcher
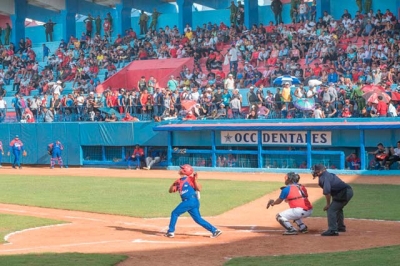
point(17, 148)
point(188, 186)
point(300, 207)
point(54, 150)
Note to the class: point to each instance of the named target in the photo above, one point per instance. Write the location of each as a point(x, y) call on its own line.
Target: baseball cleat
point(170, 235)
point(330, 233)
point(216, 234)
point(290, 232)
point(304, 230)
point(342, 230)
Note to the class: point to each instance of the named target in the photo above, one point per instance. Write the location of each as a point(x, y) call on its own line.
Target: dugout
point(277, 145)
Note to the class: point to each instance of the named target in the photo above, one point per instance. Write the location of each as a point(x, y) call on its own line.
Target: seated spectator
point(380, 157)
point(252, 114)
point(394, 156)
point(153, 158)
point(262, 111)
point(137, 156)
point(189, 116)
point(129, 118)
point(111, 118)
point(353, 161)
point(328, 110)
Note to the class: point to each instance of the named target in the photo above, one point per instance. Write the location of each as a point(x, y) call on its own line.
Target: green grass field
point(63, 259)
point(366, 257)
point(11, 223)
point(132, 197)
point(369, 202)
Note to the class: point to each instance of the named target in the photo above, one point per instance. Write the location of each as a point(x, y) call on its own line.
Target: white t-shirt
point(230, 84)
point(396, 151)
point(233, 54)
point(318, 113)
point(3, 104)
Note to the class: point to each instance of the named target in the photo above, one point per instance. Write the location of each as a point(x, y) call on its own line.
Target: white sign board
point(318, 138)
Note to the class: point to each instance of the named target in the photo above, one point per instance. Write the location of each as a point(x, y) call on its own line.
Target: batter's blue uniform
point(17, 148)
point(190, 204)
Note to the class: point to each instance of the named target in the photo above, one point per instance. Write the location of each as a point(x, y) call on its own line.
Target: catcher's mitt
point(270, 203)
point(24, 153)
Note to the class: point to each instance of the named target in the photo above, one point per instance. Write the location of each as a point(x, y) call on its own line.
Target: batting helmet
point(186, 169)
point(292, 177)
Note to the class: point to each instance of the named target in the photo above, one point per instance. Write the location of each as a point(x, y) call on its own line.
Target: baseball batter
point(17, 149)
point(300, 207)
point(187, 186)
point(55, 150)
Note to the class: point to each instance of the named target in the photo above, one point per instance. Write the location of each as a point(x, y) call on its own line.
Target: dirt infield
point(248, 230)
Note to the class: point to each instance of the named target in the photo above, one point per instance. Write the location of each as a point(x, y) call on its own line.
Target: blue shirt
point(186, 190)
point(331, 183)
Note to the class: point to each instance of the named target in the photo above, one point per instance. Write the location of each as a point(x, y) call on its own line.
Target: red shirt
point(317, 71)
point(382, 108)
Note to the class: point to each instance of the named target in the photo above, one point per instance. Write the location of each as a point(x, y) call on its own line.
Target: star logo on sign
point(228, 138)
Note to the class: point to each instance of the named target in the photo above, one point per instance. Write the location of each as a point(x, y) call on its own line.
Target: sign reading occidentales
point(322, 138)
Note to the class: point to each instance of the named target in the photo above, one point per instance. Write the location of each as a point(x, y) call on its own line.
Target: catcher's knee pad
point(284, 222)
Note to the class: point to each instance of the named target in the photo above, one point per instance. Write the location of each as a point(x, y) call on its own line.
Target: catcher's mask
point(317, 170)
point(292, 177)
point(186, 170)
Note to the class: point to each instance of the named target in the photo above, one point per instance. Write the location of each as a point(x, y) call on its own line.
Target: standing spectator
point(154, 19)
point(7, 33)
point(89, 25)
point(107, 28)
point(16, 104)
point(153, 158)
point(303, 11)
point(382, 108)
point(49, 29)
point(3, 110)
point(54, 150)
point(17, 148)
point(98, 25)
point(234, 10)
point(337, 194)
point(46, 52)
point(110, 20)
point(276, 7)
point(233, 58)
point(137, 155)
point(143, 22)
point(329, 110)
point(318, 112)
point(47, 114)
point(172, 84)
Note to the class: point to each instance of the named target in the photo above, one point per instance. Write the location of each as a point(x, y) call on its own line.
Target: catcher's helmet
point(293, 177)
point(186, 169)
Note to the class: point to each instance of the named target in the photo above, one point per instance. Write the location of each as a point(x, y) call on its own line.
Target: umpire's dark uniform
point(341, 194)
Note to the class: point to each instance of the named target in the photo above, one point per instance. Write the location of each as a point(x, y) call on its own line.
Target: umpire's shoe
point(290, 232)
point(330, 233)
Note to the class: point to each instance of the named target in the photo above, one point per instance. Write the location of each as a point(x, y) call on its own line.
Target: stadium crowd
point(344, 54)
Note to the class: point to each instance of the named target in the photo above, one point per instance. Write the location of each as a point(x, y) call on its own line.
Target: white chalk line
point(63, 245)
point(168, 242)
point(6, 237)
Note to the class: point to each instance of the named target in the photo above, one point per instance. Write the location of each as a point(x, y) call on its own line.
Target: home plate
point(166, 242)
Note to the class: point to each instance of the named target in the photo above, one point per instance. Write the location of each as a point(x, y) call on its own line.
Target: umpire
point(337, 194)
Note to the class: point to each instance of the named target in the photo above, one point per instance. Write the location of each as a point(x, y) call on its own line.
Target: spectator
point(353, 161)
point(394, 156)
point(3, 109)
point(328, 110)
point(137, 156)
point(380, 157)
point(48, 114)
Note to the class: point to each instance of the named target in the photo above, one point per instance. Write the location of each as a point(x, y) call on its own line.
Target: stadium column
point(250, 13)
point(68, 18)
point(259, 151)
point(18, 21)
point(213, 149)
point(323, 5)
point(169, 148)
point(123, 16)
point(184, 13)
point(363, 155)
point(309, 149)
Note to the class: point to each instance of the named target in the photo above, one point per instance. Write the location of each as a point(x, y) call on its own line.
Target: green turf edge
point(366, 257)
point(62, 259)
point(136, 197)
point(370, 201)
point(10, 223)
